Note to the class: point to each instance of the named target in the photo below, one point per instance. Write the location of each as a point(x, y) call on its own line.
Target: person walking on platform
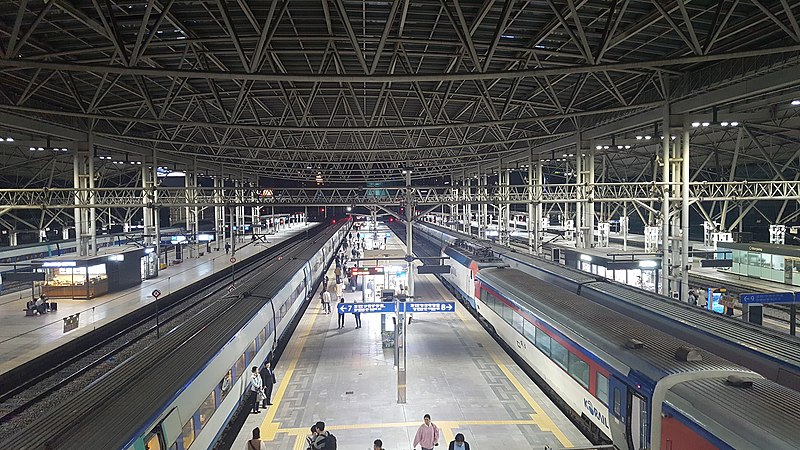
point(326, 302)
point(459, 443)
point(268, 381)
point(256, 387)
point(427, 435)
point(340, 310)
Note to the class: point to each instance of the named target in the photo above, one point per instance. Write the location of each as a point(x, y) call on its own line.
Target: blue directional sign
point(389, 307)
point(770, 297)
point(381, 307)
point(420, 307)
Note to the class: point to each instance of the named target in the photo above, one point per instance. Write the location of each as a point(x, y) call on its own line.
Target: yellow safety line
point(269, 428)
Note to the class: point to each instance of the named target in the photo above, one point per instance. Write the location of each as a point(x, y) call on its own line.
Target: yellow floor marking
point(446, 424)
point(540, 417)
point(269, 428)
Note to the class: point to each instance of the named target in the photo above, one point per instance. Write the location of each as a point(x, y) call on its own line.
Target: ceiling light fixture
point(705, 124)
point(734, 124)
point(638, 138)
point(695, 124)
point(9, 139)
point(795, 102)
point(647, 138)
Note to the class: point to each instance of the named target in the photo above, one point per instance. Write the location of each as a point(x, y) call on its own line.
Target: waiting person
point(325, 283)
point(427, 435)
point(41, 306)
point(268, 381)
point(377, 445)
point(227, 248)
point(326, 302)
point(310, 438)
point(255, 443)
point(459, 443)
point(256, 387)
point(358, 319)
point(340, 310)
point(323, 439)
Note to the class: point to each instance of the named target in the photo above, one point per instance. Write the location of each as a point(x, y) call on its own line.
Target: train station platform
point(23, 338)
point(456, 373)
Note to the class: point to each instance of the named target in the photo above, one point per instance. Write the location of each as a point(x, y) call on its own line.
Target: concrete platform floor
point(456, 373)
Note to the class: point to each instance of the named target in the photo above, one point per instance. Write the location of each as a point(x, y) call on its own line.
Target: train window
point(602, 388)
point(262, 337)
point(153, 440)
point(187, 434)
point(508, 314)
point(250, 353)
point(517, 321)
point(206, 409)
point(543, 342)
point(559, 354)
point(225, 385)
point(617, 402)
point(579, 370)
point(529, 331)
point(240, 364)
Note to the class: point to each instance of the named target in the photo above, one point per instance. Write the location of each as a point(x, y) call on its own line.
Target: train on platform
point(623, 380)
point(184, 391)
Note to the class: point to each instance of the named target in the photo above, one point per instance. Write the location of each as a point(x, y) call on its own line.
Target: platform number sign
point(156, 293)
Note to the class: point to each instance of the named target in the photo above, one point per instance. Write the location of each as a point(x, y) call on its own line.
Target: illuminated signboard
point(205, 237)
point(177, 239)
point(356, 271)
point(59, 264)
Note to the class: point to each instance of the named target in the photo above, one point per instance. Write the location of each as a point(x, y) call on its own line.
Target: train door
point(637, 421)
point(618, 410)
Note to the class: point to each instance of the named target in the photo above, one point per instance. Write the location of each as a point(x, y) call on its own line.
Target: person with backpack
point(324, 439)
point(255, 443)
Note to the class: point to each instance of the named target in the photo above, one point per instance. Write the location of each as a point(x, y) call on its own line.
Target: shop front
point(630, 269)
point(773, 262)
point(87, 277)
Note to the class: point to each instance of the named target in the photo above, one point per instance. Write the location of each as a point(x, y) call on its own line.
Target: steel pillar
point(665, 236)
point(219, 210)
point(83, 183)
point(686, 261)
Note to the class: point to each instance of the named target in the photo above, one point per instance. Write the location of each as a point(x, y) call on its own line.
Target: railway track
point(25, 402)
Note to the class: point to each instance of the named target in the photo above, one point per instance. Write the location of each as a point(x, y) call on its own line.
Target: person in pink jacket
point(427, 435)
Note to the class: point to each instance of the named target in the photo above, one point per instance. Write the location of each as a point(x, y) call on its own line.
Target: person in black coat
point(268, 380)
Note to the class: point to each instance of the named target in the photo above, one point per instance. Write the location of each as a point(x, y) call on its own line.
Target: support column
point(684, 215)
point(190, 183)
point(531, 220)
point(665, 237)
point(588, 212)
point(538, 216)
point(502, 207)
point(468, 219)
point(219, 210)
point(580, 241)
point(83, 183)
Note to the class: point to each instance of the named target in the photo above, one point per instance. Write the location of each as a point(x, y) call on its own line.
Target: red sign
point(233, 260)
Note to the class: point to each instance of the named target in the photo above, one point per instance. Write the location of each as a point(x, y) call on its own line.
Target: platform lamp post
point(401, 335)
